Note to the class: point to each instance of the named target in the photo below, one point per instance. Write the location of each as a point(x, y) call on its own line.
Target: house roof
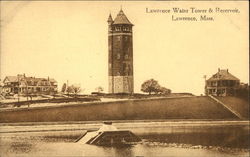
point(13, 78)
point(27, 79)
point(10, 79)
point(223, 75)
point(52, 80)
point(121, 19)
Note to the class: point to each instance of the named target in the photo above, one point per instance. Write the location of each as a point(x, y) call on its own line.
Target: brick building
point(29, 85)
point(222, 84)
point(120, 48)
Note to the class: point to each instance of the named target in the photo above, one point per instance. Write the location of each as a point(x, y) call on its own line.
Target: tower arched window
point(118, 56)
point(126, 56)
point(126, 68)
point(118, 28)
point(128, 50)
point(125, 28)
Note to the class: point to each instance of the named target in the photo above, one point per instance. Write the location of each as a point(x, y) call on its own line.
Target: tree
point(99, 89)
point(243, 91)
point(64, 86)
point(74, 89)
point(150, 86)
point(165, 91)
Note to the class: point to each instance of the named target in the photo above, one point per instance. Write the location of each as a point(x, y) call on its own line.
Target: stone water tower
point(120, 47)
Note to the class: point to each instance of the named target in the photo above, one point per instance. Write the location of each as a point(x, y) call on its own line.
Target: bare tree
point(74, 89)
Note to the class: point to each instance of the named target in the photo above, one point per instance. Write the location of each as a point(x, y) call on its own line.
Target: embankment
point(156, 108)
point(239, 105)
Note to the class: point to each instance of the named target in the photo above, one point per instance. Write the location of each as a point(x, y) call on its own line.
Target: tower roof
point(121, 19)
point(110, 18)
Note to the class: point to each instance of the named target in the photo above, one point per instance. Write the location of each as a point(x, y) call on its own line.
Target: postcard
point(124, 78)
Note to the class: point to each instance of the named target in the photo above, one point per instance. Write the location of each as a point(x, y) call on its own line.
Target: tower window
point(118, 56)
point(118, 28)
point(126, 68)
point(126, 56)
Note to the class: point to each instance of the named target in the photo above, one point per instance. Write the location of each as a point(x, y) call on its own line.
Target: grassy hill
point(201, 107)
point(238, 104)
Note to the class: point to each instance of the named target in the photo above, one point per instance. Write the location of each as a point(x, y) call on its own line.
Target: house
point(222, 84)
point(23, 85)
point(1, 86)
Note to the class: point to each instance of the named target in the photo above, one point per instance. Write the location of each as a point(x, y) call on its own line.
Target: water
point(177, 141)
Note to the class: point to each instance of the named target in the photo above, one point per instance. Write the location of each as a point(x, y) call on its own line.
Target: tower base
point(121, 84)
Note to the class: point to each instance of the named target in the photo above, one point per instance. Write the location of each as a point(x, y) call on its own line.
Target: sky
point(69, 41)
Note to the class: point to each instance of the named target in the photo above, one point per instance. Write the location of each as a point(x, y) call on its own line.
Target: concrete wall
point(164, 108)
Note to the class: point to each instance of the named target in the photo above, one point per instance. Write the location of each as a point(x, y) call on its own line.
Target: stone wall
point(122, 84)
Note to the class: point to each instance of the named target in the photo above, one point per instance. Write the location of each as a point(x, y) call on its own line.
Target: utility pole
point(112, 61)
point(67, 90)
point(205, 77)
point(27, 92)
point(18, 89)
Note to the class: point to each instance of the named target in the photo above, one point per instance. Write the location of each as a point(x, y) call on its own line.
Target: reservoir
point(159, 138)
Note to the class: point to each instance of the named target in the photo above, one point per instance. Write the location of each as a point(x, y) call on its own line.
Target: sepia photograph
point(124, 78)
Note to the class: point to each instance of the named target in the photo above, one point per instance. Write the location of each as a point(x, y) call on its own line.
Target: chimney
point(218, 69)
